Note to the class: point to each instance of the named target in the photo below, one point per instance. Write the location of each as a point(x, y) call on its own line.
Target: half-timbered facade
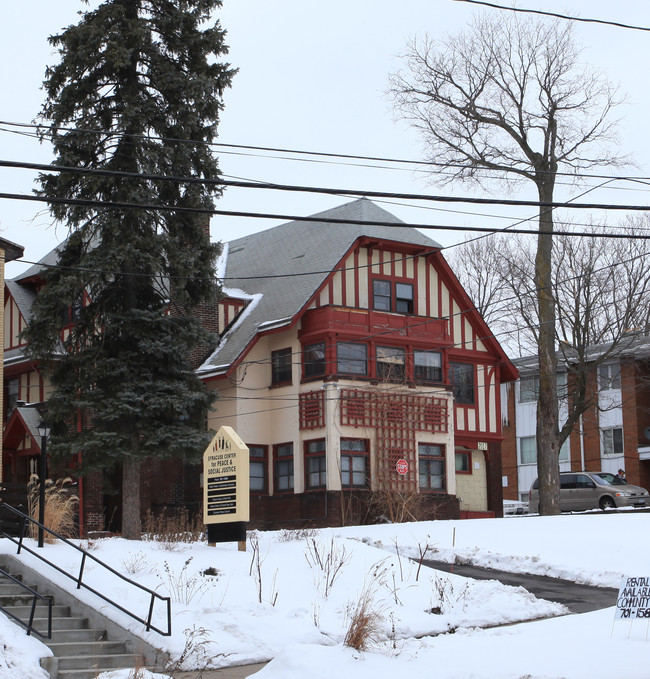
point(350, 361)
point(358, 372)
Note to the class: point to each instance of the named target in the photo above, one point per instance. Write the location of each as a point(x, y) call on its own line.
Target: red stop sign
point(402, 467)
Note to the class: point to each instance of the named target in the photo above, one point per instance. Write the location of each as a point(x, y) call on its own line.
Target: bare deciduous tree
point(511, 95)
point(599, 286)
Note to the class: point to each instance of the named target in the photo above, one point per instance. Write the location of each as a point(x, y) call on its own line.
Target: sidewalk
point(239, 672)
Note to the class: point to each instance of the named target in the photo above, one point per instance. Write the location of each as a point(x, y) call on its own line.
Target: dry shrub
point(394, 506)
point(364, 630)
point(173, 529)
point(60, 508)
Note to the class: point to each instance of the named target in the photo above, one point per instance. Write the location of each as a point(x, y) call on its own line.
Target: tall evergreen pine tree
point(134, 78)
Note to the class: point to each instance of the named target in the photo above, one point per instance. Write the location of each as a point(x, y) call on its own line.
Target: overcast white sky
point(313, 76)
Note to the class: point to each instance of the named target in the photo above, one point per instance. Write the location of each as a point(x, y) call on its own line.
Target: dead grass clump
point(173, 529)
point(365, 628)
point(60, 508)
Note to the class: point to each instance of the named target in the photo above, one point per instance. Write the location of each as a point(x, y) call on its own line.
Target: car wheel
point(607, 503)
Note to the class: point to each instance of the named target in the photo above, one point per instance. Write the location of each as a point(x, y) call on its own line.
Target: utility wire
point(282, 187)
point(300, 152)
point(555, 14)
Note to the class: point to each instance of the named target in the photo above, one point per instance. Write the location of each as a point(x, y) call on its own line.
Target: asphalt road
point(577, 598)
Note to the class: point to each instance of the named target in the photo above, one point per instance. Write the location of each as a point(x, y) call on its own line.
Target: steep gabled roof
point(23, 296)
point(281, 268)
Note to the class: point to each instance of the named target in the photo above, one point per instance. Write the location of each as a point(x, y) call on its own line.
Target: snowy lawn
point(291, 596)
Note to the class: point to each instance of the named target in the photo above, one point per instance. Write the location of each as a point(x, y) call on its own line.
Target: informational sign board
point(633, 601)
point(226, 481)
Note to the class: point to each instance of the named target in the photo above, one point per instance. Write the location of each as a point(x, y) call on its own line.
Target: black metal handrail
point(79, 579)
point(35, 596)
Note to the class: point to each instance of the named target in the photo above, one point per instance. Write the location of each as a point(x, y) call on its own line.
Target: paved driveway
point(577, 598)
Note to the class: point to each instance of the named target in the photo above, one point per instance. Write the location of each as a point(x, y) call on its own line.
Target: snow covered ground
point(290, 598)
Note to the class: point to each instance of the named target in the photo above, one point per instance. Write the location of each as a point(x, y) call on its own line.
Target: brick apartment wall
point(494, 473)
point(93, 501)
point(320, 509)
point(629, 395)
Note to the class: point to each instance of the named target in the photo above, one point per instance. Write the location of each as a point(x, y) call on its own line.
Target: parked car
point(514, 508)
point(580, 491)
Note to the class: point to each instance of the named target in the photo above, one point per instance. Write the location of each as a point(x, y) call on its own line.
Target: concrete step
point(113, 661)
point(23, 612)
point(93, 648)
point(19, 599)
point(62, 623)
point(62, 636)
point(94, 672)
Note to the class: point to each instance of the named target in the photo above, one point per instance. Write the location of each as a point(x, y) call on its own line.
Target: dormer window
point(392, 296)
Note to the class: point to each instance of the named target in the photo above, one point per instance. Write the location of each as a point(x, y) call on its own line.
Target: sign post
point(226, 499)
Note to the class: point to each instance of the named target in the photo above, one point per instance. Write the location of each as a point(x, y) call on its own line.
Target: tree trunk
point(131, 523)
point(548, 469)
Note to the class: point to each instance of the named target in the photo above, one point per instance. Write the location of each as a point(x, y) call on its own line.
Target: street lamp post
point(44, 431)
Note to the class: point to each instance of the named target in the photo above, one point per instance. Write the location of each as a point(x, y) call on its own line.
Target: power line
point(329, 220)
point(555, 14)
point(299, 152)
point(284, 187)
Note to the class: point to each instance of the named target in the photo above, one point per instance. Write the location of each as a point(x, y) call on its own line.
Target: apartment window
point(352, 359)
point(562, 385)
point(404, 298)
point(462, 381)
point(528, 450)
point(281, 366)
point(354, 463)
point(314, 359)
point(528, 389)
point(283, 467)
point(12, 389)
point(258, 469)
point(612, 441)
point(315, 466)
point(391, 363)
point(431, 466)
point(381, 295)
point(427, 366)
point(609, 376)
point(463, 461)
point(392, 296)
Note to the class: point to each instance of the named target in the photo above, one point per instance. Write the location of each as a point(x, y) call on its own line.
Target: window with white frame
point(612, 441)
point(609, 376)
point(528, 450)
point(528, 388)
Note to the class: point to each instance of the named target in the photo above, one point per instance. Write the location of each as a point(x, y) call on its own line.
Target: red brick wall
point(509, 450)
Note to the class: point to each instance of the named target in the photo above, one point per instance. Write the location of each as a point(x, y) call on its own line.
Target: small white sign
point(482, 445)
point(633, 601)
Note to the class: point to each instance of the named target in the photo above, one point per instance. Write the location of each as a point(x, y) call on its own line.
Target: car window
point(583, 481)
point(567, 481)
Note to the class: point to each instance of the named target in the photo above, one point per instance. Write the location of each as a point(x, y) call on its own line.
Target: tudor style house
point(613, 433)
point(350, 361)
point(356, 369)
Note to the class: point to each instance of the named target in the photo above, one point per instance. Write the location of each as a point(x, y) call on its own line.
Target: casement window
point(281, 366)
point(427, 366)
point(462, 381)
point(612, 441)
point(258, 469)
point(355, 463)
point(431, 467)
point(528, 389)
point(315, 465)
point(283, 468)
point(390, 363)
point(463, 461)
point(314, 359)
point(392, 296)
point(609, 376)
point(352, 359)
